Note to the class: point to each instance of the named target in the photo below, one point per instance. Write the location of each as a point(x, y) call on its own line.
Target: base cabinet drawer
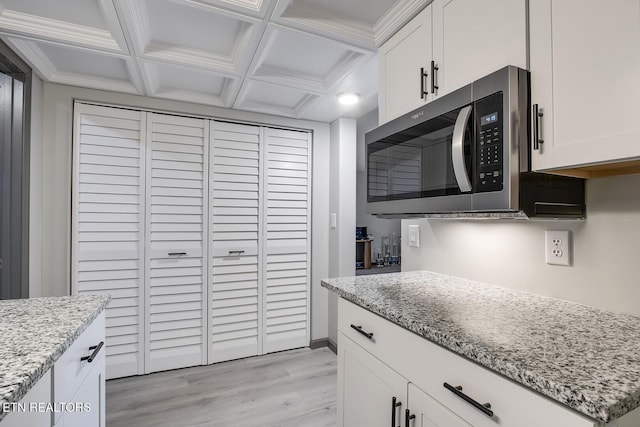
point(426, 367)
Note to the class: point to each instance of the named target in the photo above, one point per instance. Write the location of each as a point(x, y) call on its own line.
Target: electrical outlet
point(557, 247)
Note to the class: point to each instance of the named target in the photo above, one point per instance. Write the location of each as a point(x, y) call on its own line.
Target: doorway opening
point(15, 93)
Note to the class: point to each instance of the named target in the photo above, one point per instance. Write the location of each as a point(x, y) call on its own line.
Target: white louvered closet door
point(176, 282)
point(235, 292)
point(287, 239)
point(108, 226)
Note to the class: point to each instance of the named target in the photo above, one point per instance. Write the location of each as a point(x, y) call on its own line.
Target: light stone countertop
point(33, 335)
point(582, 357)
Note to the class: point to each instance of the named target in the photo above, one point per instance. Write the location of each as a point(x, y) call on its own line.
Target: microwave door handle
point(457, 149)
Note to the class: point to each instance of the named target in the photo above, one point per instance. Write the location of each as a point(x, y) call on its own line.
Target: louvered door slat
point(235, 308)
point(108, 226)
point(287, 239)
point(176, 229)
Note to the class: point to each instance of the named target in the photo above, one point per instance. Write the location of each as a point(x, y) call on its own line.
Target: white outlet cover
point(557, 247)
point(414, 236)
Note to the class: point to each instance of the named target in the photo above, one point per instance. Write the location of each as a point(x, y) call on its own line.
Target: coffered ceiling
point(284, 57)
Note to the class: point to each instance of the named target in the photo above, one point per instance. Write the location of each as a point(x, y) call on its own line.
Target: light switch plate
point(414, 236)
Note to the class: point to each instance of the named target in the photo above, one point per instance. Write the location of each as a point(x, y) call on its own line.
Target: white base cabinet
point(74, 387)
point(40, 392)
point(370, 393)
point(585, 63)
point(394, 362)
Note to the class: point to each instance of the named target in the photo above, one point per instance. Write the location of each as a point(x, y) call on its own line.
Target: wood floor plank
point(291, 388)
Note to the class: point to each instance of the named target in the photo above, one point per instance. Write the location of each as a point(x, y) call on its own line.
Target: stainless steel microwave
point(466, 155)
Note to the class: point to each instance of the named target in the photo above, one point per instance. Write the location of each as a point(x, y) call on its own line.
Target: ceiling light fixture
point(348, 98)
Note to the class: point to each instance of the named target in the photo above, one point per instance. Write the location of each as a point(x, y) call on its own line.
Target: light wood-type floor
point(291, 388)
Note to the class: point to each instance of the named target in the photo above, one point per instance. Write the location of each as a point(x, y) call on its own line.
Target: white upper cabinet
point(403, 59)
point(585, 63)
point(474, 38)
point(449, 44)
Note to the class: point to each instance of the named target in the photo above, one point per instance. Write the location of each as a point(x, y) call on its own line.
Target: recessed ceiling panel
point(365, 11)
point(66, 60)
point(303, 60)
point(79, 12)
point(274, 99)
point(252, 7)
point(189, 84)
point(174, 24)
point(79, 67)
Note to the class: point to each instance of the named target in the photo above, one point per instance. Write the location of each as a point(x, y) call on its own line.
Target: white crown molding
point(132, 15)
point(135, 75)
point(399, 14)
point(187, 96)
point(324, 23)
point(149, 75)
point(113, 23)
point(190, 58)
point(92, 82)
point(218, 8)
point(16, 23)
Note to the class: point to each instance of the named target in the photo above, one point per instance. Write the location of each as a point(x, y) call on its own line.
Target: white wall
point(606, 266)
point(35, 189)
point(342, 182)
point(378, 227)
point(54, 188)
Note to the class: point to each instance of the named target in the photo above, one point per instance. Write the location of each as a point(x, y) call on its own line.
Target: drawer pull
point(360, 331)
point(408, 416)
point(237, 253)
point(395, 404)
point(176, 253)
point(96, 350)
point(486, 407)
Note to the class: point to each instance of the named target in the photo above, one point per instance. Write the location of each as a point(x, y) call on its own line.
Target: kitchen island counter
point(582, 357)
point(34, 333)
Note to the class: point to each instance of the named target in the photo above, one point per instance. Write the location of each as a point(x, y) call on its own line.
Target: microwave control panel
point(489, 144)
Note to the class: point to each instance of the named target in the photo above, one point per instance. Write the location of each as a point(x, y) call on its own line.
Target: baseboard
point(324, 342)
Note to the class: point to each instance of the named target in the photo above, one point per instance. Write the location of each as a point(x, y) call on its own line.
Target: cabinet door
point(287, 242)
point(91, 395)
point(401, 59)
point(236, 292)
point(430, 413)
point(108, 225)
point(39, 393)
point(587, 56)
point(474, 38)
point(367, 389)
point(175, 263)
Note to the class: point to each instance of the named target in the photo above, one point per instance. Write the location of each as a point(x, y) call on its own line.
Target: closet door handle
point(434, 82)
point(361, 332)
point(176, 253)
point(408, 416)
point(423, 76)
point(536, 127)
point(395, 404)
point(484, 407)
